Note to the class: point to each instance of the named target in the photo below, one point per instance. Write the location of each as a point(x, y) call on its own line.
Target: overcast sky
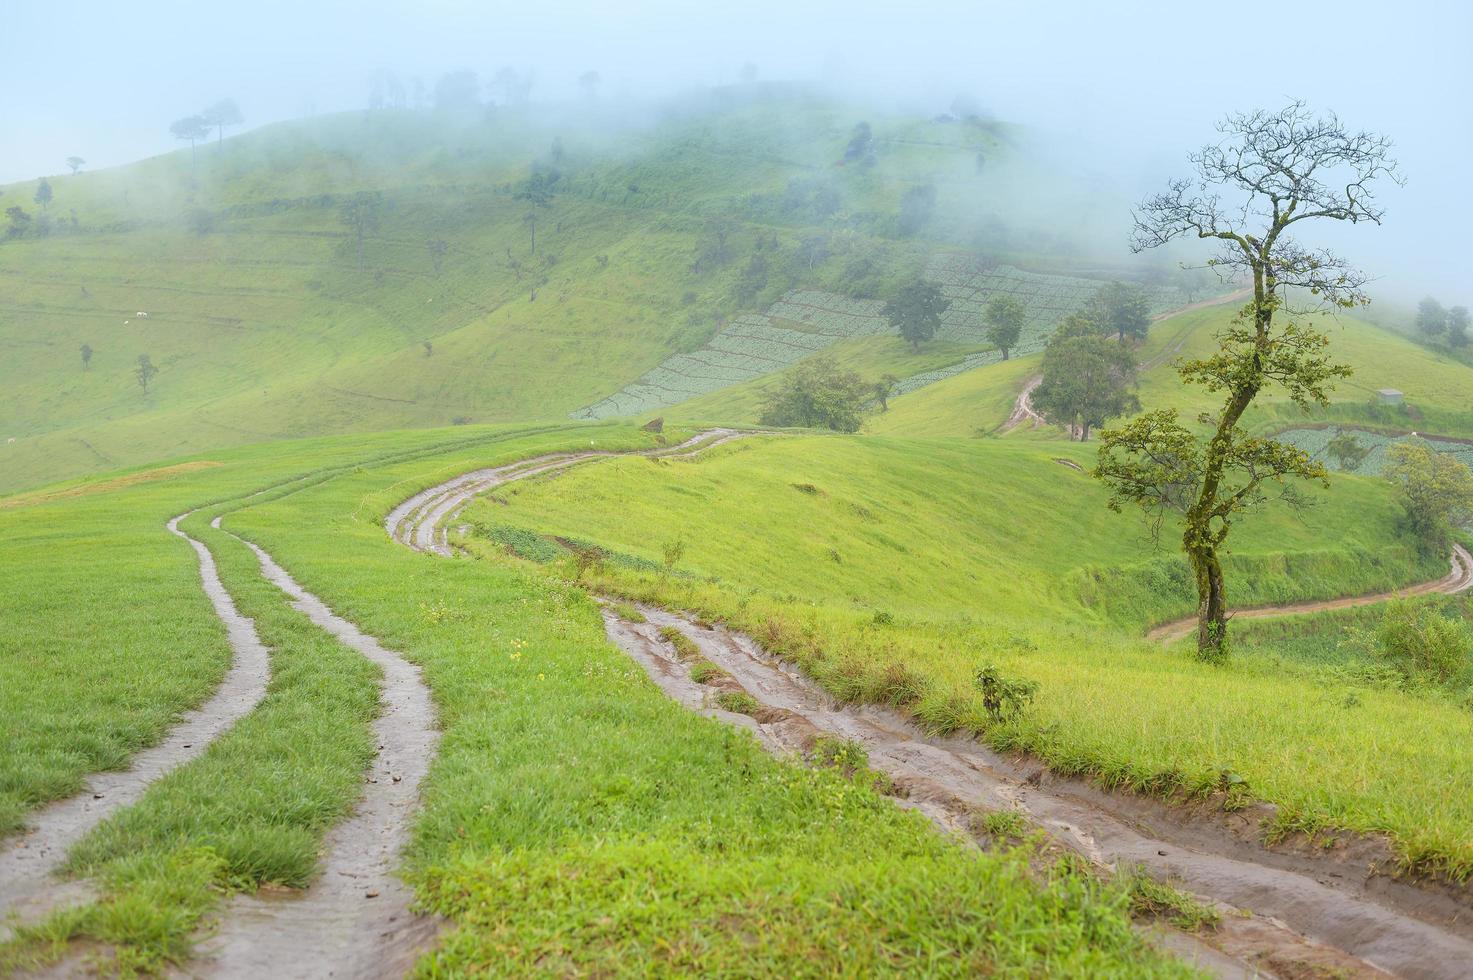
point(1137, 84)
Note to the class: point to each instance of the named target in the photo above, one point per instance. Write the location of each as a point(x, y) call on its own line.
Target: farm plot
point(1316, 441)
point(805, 321)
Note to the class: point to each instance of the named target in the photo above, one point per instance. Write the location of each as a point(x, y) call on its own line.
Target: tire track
point(355, 920)
point(28, 887)
point(419, 521)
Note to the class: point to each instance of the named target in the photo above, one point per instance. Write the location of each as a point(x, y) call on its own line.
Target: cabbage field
point(1315, 442)
point(805, 321)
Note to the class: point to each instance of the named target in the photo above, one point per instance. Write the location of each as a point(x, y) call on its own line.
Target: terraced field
point(806, 321)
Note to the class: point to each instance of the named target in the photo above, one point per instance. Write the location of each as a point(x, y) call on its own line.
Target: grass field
point(565, 784)
point(880, 558)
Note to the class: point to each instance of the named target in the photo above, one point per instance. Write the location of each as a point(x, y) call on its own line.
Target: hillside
point(656, 231)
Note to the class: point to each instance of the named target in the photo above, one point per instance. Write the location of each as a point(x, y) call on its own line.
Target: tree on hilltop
point(76, 164)
point(1280, 169)
point(43, 193)
point(221, 114)
point(193, 129)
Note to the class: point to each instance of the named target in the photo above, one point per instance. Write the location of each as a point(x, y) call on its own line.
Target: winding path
point(1459, 579)
point(1286, 913)
point(28, 886)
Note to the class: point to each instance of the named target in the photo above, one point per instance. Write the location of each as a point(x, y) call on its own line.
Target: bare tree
point(193, 129)
point(1281, 169)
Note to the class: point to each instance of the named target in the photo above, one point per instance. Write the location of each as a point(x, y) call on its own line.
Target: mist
point(1119, 94)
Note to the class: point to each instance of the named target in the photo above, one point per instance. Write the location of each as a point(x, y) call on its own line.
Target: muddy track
point(1286, 913)
point(28, 887)
point(1459, 579)
point(355, 920)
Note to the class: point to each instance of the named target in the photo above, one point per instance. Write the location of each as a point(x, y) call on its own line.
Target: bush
point(1423, 644)
point(1004, 698)
point(818, 394)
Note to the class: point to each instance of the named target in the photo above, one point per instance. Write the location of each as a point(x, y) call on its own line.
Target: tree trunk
point(1004, 353)
point(1211, 604)
point(1084, 432)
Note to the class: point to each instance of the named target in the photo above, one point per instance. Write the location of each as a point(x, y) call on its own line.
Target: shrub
point(1422, 643)
point(704, 671)
point(1002, 697)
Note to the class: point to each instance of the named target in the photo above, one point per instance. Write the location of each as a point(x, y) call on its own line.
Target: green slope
point(263, 326)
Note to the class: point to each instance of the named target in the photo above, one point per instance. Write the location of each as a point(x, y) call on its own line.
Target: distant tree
point(429, 348)
point(1087, 378)
point(861, 147)
point(144, 372)
point(1278, 169)
point(1122, 309)
point(916, 206)
point(713, 248)
point(748, 74)
point(589, 82)
point(530, 221)
point(361, 214)
point(417, 88)
point(1004, 316)
point(1457, 326)
point(43, 193)
point(515, 87)
point(221, 114)
point(1431, 317)
point(885, 390)
point(76, 164)
point(20, 220)
point(1347, 451)
point(437, 247)
point(813, 249)
point(753, 279)
point(385, 90)
point(965, 106)
point(915, 312)
point(817, 394)
point(457, 90)
point(538, 188)
point(556, 152)
point(1436, 490)
point(192, 128)
point(86, 356)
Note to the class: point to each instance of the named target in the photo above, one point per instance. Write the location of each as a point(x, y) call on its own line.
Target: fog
point(1121, 92)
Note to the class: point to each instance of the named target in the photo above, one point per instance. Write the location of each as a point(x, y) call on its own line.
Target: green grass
point(911, 564)
point(1437, 387)
point(574, 818)
point(978, 527)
